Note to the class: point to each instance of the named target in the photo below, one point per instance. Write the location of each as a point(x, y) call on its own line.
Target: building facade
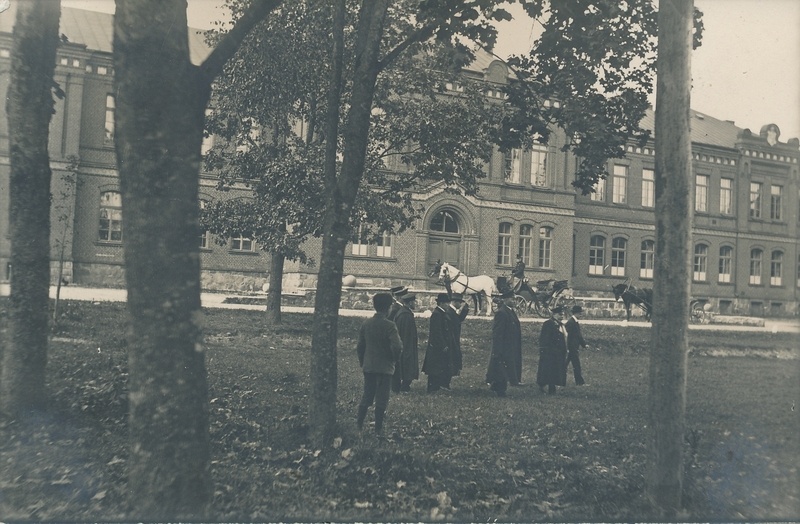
point(746, 254)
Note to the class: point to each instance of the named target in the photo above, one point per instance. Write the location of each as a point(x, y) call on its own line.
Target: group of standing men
point(388, 348)
point(389, 355)
point(559, 345)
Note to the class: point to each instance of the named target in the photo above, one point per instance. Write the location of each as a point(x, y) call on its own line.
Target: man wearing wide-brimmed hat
point(438, 364)
point(575, 342)
point(552, 370)
point(407, 368)
point(397, 292)
point(505, 360)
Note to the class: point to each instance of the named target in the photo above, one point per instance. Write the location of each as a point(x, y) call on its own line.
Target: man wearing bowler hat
point(457, 313)
point(407, 368)
point(438, 355)
point(552, 370)
point(505, 359)
point(574, 343)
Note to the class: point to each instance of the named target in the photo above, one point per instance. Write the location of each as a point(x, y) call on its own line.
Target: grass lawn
point(465, 455)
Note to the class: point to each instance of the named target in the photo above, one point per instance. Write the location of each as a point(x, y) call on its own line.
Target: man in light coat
point(378, 349)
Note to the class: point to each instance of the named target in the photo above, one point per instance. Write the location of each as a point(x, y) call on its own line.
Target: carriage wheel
point(520, 305)
point(563, 300)
point(542, 310)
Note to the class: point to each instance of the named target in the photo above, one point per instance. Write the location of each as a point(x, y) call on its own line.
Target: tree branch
point(230, 43)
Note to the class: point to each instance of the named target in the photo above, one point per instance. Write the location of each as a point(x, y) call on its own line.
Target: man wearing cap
point(552, 370)
point(397, 292)
point(456, 314)
point(505, 360)
point(517, 274)
point(378, 349)
point(574, 343)
point(437, 364)
point(407, 368)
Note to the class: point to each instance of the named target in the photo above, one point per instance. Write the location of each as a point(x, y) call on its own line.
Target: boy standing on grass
point(378, 349)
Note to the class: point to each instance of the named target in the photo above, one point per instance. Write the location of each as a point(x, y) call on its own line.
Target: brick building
point(745, 232)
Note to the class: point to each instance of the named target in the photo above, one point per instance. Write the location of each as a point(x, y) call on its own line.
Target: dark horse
point(629, 295)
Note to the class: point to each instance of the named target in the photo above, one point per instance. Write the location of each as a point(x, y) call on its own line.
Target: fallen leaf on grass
point(100, 495)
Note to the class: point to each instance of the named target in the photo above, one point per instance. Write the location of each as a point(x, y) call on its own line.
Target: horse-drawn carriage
point(540, 299)
point(699, 309)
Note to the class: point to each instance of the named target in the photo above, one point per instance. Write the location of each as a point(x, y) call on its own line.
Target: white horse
point(480, 287)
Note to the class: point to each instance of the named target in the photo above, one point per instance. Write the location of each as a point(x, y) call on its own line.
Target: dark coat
point(505, 360)
point(379, 345)
point(440, 341)
point(393, 310)
point(455, 324)
point(574, 336)
point(409, 357)
point(552, 355)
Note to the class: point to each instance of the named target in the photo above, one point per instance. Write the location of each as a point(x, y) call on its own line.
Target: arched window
point(546, 247)
point(618, 247)
point(597, 254)
point(776, 269)
point(700, 263)
point(445, 222)
point(526, 243)
point(648, 259)
point(504, 244)
point(725, 264)
point(110, 217)
point(756, 256)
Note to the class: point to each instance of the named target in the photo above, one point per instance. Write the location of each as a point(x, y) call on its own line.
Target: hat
point(398, 291)
point(457, 296)
point(577, 309)
point(559, 309)
point(407, 297)
point(442, 297)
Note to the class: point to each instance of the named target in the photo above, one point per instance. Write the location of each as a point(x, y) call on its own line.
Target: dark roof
point(96, 30)
point(705, 129)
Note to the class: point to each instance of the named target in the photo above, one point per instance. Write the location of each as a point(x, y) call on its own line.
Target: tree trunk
point(29, 107)
point(160, 108)
point(671, 284)
point(275, 288)
point(341, 194)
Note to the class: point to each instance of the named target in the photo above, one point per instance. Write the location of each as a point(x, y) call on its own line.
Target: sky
point(747, 70)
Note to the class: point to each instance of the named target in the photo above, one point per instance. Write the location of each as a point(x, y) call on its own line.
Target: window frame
point(504, 244)
point(109, 129)
point(756, 266)
point(647, 259)
point(701, 183)
point(526, 243)
point(238, 241)
point(597, 253)
point(776, 202)
point(725, 268)
point(776, 268)
point(756, 189)
point(700, 263)
point(648, 187)
point(599, 193)
point(726, 196)
point(113, 211)
point(512, 166)
point(545, 247)
point(384, 245)
point(538, 166)
point(619, 184)
point(619, 247)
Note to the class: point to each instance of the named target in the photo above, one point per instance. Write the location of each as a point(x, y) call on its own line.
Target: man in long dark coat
point(437, 364)
point(552, 370)
point(505, 360)
point(575, 342)
point(456, 313)
point(407, 368)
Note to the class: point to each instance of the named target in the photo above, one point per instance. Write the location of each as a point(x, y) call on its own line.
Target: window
point(648, 188)
point(700, 263)
point(597, 254)
point(512, 168)
point(539, 166)
point(755, 266)
point(701, 193)
point(109, 126)
point(504, 244)
point(726, 196)
point(384, 245)
point(725, 264)
point(755, 200)
point(620, 185)
point(648, 259)
point(444, 222)
point(599, 194)
point(360, 244)
point(618, 247)
point(776, 269)
point(203, 232)
point(242, 242)
point(775, 204)
point(545, 247)
point(526, 243)
point(110, 217)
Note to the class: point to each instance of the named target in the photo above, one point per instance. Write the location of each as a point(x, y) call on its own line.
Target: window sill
point(111, 243)
point(243, 253)
point(371, 257)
